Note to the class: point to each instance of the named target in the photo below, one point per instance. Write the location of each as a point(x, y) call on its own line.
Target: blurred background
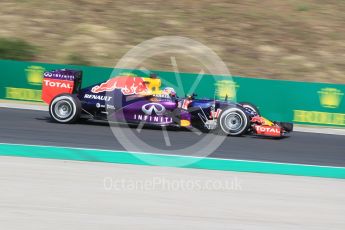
point(292, 39)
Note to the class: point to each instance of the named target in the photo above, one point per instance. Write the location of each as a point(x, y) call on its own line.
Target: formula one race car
point(137, 100)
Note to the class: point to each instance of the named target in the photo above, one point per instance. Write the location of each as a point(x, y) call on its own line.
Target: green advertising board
point(298, 102)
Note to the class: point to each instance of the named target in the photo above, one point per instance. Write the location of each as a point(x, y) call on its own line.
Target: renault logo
point(150, 107)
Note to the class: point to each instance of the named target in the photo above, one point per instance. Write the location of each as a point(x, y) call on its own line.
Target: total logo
point(157, 108)
point(263, 129)
point(57, 84)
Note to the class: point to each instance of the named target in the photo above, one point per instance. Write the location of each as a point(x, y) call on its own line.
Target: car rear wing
point(60, 81)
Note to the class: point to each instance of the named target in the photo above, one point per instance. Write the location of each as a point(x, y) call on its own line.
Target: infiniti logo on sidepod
point(150, 107)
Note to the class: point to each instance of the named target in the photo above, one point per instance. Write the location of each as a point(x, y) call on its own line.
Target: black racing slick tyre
point(65, 108)
point(287, 126)
point(232, 121)
point(250, 106)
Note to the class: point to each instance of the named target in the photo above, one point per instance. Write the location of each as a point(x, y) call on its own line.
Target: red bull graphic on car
point(127, 84)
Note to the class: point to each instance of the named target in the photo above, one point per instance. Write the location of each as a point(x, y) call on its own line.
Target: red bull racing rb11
point(131, 100)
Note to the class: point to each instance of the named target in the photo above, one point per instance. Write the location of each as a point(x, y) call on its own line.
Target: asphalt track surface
point(35, 128)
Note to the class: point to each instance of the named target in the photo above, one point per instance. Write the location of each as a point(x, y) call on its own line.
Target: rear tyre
point(65, 108)
point(232, 121)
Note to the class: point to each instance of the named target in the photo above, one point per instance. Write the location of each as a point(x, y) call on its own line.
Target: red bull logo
point(261, 121)
point(128, 85)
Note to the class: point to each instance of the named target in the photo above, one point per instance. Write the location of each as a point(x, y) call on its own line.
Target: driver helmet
point(170, 91)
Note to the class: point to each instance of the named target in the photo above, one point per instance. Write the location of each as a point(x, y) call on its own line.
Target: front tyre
point(65, 108)
point(287, 126)
point(232, 121)
point(251, 107)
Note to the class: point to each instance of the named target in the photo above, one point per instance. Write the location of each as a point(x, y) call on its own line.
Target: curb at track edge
point(135, 158)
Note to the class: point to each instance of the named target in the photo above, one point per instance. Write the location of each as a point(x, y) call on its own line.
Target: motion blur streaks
point(297, 40)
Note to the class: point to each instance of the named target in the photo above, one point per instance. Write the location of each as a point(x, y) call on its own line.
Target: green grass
point(303, 8)
point(101, 32)
point(76, 59)
point(17, 49)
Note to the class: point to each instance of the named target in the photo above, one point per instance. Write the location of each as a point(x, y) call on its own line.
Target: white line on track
point(29, 106)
